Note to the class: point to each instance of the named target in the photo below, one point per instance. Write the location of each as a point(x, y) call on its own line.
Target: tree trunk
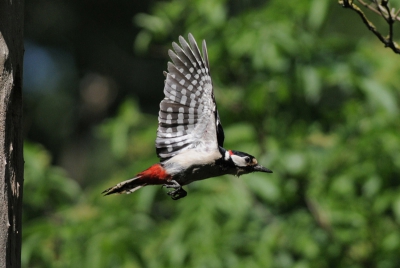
point(11, 144)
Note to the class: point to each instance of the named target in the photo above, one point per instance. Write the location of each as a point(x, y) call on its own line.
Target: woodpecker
point(190, 136)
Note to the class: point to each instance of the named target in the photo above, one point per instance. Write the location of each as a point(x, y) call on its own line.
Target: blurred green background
point(302, 85)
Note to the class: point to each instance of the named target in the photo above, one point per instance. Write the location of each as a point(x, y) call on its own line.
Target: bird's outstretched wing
point(188, 116)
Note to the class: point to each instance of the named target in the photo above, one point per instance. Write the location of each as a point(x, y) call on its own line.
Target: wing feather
point(188, 116)
point(196, 52)
point(205, 56)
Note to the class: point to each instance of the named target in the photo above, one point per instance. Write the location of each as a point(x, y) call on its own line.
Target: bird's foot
point(178, 193)
point(172, 184)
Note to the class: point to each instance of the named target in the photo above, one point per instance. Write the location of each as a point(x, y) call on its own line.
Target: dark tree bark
point(11, 143)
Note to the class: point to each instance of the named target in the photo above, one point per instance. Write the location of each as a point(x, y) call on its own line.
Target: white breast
point(193, 165)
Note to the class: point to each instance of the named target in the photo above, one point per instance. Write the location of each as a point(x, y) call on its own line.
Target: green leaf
point(317, 13)
point(311, 84)
point(380, 96)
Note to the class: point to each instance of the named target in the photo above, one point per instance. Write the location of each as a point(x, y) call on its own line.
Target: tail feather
point(126, 187)
point(154, 175)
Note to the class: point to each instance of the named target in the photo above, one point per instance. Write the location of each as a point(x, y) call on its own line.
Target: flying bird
point(190, 136)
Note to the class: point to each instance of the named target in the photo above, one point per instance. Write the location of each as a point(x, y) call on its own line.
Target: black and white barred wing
point(188, 116)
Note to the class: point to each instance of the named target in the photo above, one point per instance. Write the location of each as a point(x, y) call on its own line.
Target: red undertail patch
point(155, 174)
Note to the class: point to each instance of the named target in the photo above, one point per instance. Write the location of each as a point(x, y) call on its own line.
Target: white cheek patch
point(226, 155)
point(239, 161)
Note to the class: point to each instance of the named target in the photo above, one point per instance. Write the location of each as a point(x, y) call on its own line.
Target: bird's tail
point(154, 175)
point(126, 187)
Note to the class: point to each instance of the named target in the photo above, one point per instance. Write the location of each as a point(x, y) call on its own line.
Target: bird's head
point(245, 163)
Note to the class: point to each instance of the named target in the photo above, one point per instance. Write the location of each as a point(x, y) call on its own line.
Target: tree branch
point(372, 8)
point(383, 10)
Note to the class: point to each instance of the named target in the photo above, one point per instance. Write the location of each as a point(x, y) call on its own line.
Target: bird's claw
point(172, 184)
point(177, 193)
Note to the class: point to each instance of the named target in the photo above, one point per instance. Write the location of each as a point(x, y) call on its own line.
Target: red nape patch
point(155, 174)
point(230, 152)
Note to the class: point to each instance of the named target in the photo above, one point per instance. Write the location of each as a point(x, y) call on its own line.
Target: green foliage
point(47, 182)
point(47, 192)
point(317, 109)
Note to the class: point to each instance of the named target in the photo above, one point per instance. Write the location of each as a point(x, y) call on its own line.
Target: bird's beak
point(261, 169)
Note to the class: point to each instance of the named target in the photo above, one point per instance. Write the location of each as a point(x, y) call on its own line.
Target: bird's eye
point(247, 159)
